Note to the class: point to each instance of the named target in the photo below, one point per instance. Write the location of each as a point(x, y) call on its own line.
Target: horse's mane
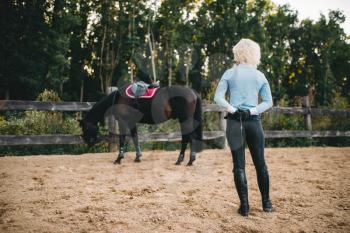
point(96, 113)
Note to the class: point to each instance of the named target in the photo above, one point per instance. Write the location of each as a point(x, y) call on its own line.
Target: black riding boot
point(264, 183)
point(242, 190)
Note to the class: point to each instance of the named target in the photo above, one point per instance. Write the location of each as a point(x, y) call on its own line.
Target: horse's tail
point(198, 124)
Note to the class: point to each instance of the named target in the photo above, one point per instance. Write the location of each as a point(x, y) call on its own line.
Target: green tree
point(315, 50)
point(280, 25)
point(24, 49)
point(219, 25)
point(79, 52)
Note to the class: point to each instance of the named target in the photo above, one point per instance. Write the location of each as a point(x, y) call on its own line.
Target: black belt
point(240, 115)
point(233, 116)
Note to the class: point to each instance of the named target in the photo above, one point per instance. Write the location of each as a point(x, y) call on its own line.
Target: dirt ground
point(310, 190)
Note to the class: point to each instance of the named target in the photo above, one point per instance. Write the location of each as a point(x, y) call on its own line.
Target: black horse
point(174, 102)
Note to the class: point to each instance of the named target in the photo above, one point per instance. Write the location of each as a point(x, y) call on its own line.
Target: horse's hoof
point(180, 159)
point(137, 160)
point(190, 162)
point(116, 161)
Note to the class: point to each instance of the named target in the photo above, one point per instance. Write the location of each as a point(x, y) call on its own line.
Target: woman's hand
point(231, 110)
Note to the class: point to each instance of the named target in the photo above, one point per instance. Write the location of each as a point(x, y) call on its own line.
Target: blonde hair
point(247, 51)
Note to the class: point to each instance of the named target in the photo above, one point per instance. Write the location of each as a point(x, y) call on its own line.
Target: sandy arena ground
point(310, 190)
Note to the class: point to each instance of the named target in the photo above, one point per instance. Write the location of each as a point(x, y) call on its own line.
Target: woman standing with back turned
point(245, 83)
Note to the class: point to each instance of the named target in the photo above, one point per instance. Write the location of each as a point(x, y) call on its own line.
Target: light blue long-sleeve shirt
point(245, 84)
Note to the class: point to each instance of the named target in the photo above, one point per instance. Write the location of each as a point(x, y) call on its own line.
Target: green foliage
point(273, 121)
point(330, 122)
point(78, 48)
point(41, 123)
point(36, 123)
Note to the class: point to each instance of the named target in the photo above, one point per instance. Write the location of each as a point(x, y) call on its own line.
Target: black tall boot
point(264, 186)
point(242, 190)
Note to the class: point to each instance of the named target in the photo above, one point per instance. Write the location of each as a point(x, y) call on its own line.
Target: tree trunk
point(101, 58)
point(188, 62)
point(151, 49)
point(169, 62)
point(82, 91)
point(170, 71)
point(131, 64)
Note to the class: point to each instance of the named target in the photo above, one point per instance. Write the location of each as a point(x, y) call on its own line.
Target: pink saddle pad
point(148, 94)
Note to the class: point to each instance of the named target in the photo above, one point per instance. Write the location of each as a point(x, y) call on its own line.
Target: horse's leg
point(186, 132)
point(192, 153)
point(122, 149)
point(135, 139)
point(192, 142)
point(181, 157)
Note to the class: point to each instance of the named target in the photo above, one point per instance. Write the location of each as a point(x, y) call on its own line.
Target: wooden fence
point(307, 112)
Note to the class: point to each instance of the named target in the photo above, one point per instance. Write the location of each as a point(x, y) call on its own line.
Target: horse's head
point(90, 131)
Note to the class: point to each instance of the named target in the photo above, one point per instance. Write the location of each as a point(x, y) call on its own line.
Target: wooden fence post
point(307, 116)
point(222, 127)
point(112, 125)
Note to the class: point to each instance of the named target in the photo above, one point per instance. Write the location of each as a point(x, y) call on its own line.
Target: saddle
point(141, 90)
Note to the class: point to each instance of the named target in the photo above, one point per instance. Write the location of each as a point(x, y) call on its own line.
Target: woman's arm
point(220, 94)
point(265, 93)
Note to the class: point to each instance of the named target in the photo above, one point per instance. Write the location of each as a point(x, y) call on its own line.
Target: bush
point(41, 123)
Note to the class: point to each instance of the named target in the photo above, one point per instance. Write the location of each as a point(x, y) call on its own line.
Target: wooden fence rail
point(85, 106)
point(15, 105)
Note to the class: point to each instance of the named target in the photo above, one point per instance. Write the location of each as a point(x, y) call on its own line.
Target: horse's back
point(182, 92)
point(168, 102)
